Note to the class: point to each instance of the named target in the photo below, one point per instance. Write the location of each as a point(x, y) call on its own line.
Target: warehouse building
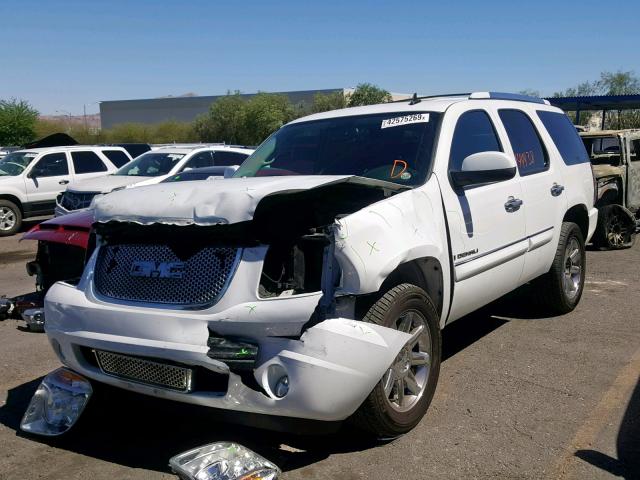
point(187, 108)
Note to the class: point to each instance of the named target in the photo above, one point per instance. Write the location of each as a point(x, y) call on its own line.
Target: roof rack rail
point(507, 96)
point(415, 97)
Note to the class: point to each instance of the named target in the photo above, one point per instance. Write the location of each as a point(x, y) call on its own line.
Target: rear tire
point(614, 231)
point(560, 289)
point(10, 218)
point(401, 398)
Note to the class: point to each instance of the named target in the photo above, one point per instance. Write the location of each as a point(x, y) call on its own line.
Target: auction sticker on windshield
point(405, 120)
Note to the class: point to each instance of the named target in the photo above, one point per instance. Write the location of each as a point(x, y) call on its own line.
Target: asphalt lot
point(520, 396)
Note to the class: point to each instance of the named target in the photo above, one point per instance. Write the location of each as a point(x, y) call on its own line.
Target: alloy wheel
point(7, 219)
point(405, 382)
point(572, 278)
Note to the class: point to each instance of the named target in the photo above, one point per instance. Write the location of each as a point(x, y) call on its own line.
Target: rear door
point(48, 176)
point(87, 164)
point(487, 227)
point(542, 189)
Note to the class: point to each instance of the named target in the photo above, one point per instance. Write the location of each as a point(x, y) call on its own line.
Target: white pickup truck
point(315, 283)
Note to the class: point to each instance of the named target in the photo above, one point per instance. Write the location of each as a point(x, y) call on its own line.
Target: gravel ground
point(520, 396)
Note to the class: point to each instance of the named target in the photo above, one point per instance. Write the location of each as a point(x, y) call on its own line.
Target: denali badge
point(157, 269)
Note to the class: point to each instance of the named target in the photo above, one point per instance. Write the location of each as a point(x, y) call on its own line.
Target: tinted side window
point(474, 133)
point(226, 159)
point(531, 156)
point(52, 165)
point(565, 136)
point(117, 157)
point(87, 162)
point(200, 160)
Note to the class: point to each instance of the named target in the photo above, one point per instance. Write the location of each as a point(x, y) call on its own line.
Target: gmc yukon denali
point(314, 283)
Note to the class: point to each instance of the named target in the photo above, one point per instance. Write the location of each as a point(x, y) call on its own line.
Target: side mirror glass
point(483, 168)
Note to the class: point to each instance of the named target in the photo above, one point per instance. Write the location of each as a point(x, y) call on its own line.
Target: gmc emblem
point(157, 269)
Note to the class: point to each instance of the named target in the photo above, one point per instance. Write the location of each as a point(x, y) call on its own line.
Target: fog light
point(223, 461)
point(57, 404)
point(282, 386)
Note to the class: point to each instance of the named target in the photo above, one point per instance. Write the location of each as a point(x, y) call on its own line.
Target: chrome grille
point(201, 281)
point(77, 200)
point(145, 371)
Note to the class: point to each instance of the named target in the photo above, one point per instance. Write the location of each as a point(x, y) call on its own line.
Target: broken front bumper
point(331, 369)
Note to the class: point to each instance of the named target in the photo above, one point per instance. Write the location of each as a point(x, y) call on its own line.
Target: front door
point(633, 173)
point(486, 222)
point(47, 178)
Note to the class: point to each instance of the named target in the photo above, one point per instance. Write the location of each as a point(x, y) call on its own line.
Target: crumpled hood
point(206, 202)
point(106, 183)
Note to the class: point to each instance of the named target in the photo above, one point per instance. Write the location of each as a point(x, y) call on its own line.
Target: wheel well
point(13, 199)
point(578, 215)
point(425, 273)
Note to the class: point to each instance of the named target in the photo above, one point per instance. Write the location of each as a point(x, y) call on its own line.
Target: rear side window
point(565, 136)
point(531, 156)
point(52, 165)
point(226, 159)
point(87, 162)
point(117, 157)
point(474, 133)
point(200, 160)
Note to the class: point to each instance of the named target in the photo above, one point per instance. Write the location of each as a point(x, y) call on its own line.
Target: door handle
point(557, 189)
point(63, 182)
point(513, 204)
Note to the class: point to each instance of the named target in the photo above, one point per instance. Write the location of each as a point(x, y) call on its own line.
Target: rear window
point(87, 162)
point(117, 157)
point(565, 136)
point(531, 156)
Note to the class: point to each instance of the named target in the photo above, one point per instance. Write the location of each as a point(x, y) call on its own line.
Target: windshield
point(151, 164)
point(395, 147)
point(15, 163)
point(603, 150)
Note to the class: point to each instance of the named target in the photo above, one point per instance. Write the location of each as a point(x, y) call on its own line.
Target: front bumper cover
point(331, 368)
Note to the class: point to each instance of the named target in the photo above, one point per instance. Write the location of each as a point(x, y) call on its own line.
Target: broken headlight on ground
point(223, 461)
point(57, 404)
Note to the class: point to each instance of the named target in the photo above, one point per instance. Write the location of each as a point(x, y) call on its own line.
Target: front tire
point(613, 231)
point(561, 288)
point(401, 398)
point(10, 218)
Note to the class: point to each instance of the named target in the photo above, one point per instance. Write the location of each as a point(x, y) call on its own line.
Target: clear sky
point(60, 55)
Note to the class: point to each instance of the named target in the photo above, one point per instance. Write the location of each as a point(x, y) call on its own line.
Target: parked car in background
point(315, 283)
point(4, 151)
point(30, 180)
point(149, 168)
point(615, 158)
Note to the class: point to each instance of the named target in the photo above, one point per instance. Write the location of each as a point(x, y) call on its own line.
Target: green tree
point(264, 114)
point(368, 94)
point(17, 122)
point(324, 102)
point(224, 120)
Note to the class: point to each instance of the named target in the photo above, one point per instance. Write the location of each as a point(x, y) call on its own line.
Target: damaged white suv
point(316, 282)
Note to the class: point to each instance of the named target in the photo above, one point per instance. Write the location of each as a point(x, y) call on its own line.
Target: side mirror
point(484, 167)
point(230, 170)
point(32, 173)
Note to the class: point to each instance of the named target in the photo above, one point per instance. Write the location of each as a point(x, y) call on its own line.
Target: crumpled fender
point(375, 240)
point(332, 368)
